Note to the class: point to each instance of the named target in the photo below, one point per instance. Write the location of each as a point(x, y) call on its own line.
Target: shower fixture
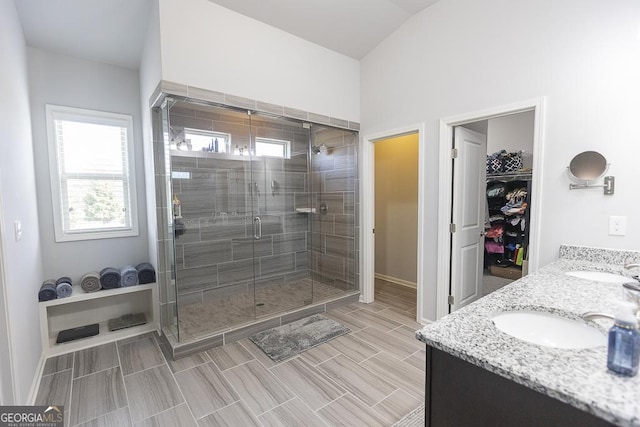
point(315, 149)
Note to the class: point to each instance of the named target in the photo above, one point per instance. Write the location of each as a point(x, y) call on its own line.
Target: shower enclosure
point(256, 215)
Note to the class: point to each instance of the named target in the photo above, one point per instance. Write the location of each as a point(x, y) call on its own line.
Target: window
point(91, 166)
point(205, 140)
point(266, 147)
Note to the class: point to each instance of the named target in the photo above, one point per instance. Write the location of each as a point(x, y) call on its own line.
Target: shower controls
point(323, 208)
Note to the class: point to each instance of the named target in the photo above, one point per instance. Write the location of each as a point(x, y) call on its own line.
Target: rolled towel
point(129, 275)
point(90, 282)
point(63, 287)
point(47, 291)
point(146, 273)
point(110, 278)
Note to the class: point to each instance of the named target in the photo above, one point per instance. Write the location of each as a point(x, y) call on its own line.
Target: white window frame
point(284, 143)
point(58, 112)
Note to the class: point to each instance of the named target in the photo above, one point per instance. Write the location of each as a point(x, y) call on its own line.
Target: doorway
point(460, 264)
point(367, 214)
point(396, 222)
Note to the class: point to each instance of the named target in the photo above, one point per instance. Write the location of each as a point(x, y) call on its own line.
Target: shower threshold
point(228, 335)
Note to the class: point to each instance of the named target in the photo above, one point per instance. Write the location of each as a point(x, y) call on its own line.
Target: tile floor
point(372, 376)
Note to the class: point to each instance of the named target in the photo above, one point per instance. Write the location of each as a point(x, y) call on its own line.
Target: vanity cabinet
point(461, 394)
point(83, 308)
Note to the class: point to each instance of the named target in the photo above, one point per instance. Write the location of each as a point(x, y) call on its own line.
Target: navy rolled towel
point(129, 275)
point(146, 273)
point(110, 278)
point(63, 287)
point(47, 291)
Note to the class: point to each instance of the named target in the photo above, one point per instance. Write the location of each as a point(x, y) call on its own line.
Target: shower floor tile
point(221, 313)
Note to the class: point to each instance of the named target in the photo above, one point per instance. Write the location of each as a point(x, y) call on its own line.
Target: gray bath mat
point(288, 340)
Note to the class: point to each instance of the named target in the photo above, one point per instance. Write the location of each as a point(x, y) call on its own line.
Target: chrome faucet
point(631, 292)
point(630, 266)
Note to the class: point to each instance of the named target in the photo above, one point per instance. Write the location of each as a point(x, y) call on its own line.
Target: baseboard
point(397, 281)
point(35, 383)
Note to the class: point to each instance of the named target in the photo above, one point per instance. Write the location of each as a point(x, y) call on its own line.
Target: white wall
point(396, 207)
point(63, 80)
point(461, 56)
point(208, 46)
point(22, 259)
point(512, 133)
point(150, 76)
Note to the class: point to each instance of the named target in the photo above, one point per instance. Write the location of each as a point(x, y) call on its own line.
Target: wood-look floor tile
point(397, 372)
point(258, 387)
point(58, 363)
point(94, 359)
point(400, 317)
point(319, 354)
point(229, 355)
point(396, 406)
point(205, 389)
point(350, 320)
point(408, 335)
point(387, 342)
point(178, 416)
point(118, 418)
point(256, 352)
point(363, 384)
point(234, 415)
point(306, 382)
point(55, 389)
point(151, 391)
point(418, 360)
point(352, 347)
point(376, 320)
point(349, 411)
point(136, 356)
point(373, 306)
point(186, 362)
point(152, 335)
point(291, 413)
point(97, 394)
point(345, 309)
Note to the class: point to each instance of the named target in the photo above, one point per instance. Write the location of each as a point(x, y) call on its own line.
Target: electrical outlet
point(617, 225)
point(17, 228)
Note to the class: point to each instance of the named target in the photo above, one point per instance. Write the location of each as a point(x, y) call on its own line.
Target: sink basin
point(549, 330)
point(599, 276)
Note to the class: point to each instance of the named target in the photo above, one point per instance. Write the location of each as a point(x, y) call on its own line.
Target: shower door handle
point(257, 234)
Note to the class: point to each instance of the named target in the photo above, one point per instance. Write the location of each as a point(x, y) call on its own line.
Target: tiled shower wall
point(333, 251)
point(220, 195)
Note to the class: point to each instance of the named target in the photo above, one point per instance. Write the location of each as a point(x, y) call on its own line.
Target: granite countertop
point(577, 377)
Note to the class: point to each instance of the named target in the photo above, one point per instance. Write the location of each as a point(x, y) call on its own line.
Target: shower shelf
point(306, 210)
point(84, 308)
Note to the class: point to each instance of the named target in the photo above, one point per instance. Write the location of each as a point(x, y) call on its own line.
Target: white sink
point(549, 330)
point(599, 276)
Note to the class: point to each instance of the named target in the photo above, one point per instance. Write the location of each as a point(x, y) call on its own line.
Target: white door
point(468, 215)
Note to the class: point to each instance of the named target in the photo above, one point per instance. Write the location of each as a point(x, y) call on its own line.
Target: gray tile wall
point(218, 250)
point(333, 251)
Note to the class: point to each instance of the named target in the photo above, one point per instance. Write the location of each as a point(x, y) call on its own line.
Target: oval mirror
point(588, 166)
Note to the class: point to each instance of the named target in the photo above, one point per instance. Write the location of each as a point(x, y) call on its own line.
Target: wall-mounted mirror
point(587, 167)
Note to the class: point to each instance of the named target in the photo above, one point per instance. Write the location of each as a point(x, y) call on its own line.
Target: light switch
point(17, 227)
point(617, 225)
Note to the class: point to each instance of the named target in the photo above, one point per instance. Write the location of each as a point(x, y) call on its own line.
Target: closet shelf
point(524, 176)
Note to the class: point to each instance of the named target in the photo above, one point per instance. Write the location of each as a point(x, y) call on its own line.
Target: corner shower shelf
point(83, 308)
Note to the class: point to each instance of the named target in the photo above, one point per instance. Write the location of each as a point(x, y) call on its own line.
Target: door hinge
point(373, 231)
point(454, 153)
point(451, 300)
point(452, 228)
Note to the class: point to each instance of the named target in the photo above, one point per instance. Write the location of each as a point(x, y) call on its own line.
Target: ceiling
point(113, 31)
point(351, 27)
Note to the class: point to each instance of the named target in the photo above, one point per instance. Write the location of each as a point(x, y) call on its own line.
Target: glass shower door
point(280, 169)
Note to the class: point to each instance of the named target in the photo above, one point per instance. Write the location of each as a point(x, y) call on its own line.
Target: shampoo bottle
point(624, 342)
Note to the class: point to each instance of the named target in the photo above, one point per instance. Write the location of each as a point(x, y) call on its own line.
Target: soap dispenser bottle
point(624, 342)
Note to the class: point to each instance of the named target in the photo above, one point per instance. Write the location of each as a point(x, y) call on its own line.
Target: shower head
point(315, 149)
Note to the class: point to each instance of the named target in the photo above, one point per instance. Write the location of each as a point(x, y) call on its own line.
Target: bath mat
point(288, 340)
point(414, 418)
